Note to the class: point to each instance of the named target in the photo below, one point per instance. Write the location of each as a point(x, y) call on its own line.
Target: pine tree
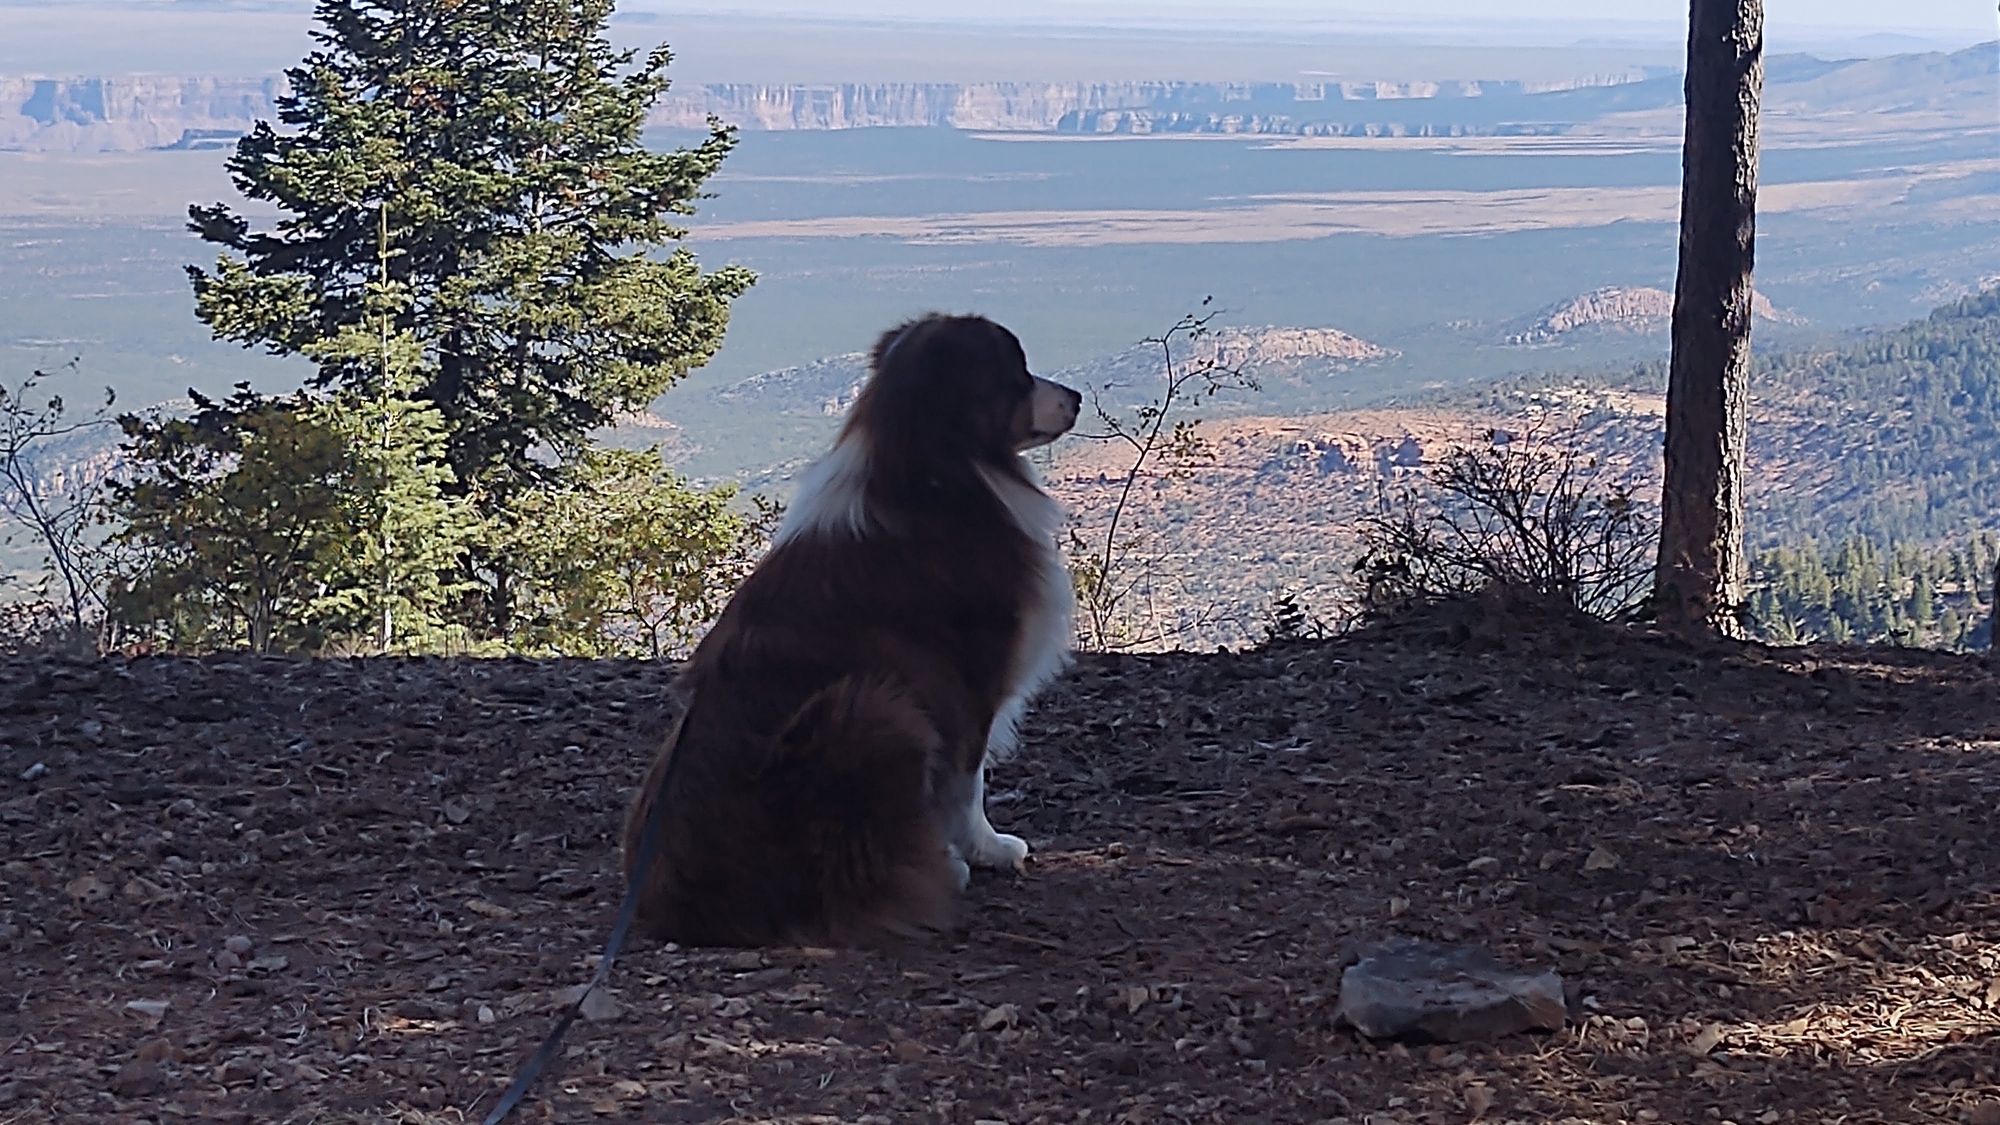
point(1701, 560)
point(503, 142)
point(1951, 629)
point(399, 579)
point(1923, 603)
point(394, 587)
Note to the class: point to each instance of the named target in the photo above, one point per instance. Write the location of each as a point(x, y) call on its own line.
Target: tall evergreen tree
point(502, 140)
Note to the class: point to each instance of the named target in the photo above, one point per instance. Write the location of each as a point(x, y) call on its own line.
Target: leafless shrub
point(33, 624)
point(55, 498)
point(1289, 617)
point(1126, 597)
point(1519, 513)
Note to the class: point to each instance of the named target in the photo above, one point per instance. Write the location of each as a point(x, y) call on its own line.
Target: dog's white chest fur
point(830, 502)
point(1048, 625)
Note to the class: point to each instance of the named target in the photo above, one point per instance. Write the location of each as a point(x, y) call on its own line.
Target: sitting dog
point(828, 780)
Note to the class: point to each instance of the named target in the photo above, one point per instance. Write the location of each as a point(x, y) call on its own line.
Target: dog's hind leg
point(851, 783)
point(961, 871)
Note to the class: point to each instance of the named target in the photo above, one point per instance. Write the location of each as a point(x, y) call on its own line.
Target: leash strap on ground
point(649, 841)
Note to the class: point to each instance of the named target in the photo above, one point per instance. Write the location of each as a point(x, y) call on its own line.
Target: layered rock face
point(130, 113)
point(1299, 108)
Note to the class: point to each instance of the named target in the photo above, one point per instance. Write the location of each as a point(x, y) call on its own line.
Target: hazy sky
point(1905, 15)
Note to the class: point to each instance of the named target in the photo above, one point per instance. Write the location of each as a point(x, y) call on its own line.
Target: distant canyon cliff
point(132, 113)
point(1899, 92)
point(1298, 108)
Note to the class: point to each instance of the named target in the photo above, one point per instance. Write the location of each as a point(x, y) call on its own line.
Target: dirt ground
point(280, 891)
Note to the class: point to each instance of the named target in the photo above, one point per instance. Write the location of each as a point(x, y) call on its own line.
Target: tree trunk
point(1699, 583)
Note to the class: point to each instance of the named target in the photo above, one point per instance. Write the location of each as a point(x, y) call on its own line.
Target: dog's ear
point(887, 344)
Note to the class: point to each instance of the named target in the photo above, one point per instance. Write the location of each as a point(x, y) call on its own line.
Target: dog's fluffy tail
point(851, 784)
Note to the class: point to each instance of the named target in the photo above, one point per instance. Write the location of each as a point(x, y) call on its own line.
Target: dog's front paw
point(1001, 850)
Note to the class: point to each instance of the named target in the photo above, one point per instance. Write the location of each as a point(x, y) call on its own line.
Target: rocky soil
point(265, 890)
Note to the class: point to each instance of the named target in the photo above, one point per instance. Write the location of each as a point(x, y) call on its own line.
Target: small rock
point(237, 1071)
point(418, 1008)
point(1117, 1058)
point(183, 807)
point(1484, 864)
point(1427, 991)
point(1003, 1016)
point(35, 772)
point(597, 1006)
point(239, 945)
point(87, 888)
point(144, 893)
point(153, 1010)
point(228, 962)
point(138, 1078)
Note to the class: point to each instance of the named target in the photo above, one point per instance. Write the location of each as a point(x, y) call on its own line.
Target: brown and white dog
point(830, 786)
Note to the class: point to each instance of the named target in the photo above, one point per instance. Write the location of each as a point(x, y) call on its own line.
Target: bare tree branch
point(1112, 573)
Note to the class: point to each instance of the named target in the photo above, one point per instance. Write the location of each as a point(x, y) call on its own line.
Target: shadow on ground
point(1769, 875)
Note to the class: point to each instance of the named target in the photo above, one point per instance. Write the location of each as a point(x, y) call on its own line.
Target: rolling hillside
point(1892, 438)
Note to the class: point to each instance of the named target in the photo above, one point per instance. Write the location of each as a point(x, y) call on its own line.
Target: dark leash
point(649, 842)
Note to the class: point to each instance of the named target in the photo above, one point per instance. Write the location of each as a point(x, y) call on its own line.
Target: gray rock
point(1409, 989)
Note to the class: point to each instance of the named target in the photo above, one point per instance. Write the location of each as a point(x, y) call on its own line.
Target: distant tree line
point(1915, 416)
point(1859, 591)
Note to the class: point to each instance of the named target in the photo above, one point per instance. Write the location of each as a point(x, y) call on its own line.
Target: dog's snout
point(1068, 398)
point(1052, 412)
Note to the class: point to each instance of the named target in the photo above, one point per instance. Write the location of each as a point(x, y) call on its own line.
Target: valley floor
point(262, 890)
